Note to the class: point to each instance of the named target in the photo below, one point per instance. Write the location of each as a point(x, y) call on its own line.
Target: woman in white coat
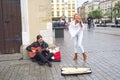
point(76, 29)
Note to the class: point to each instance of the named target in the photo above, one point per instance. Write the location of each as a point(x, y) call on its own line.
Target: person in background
point(42, 56)
point(116, 23)
point(89, 19)
point(76, 29)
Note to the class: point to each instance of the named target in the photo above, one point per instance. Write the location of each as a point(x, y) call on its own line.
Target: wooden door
point(10, 26)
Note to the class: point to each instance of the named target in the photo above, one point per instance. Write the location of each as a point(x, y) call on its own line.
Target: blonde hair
point(75, 15)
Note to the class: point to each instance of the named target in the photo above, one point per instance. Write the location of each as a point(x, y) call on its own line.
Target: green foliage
point(107, 14)
point(96, 14)
point(116, 9)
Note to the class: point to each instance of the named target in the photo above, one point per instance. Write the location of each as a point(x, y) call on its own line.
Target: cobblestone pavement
point(103, 50)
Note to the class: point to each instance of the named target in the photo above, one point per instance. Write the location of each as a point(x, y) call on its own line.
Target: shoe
point(84, 56)
point(40, 63)
point(49, 64)
point(75, 56)
point(33, 60)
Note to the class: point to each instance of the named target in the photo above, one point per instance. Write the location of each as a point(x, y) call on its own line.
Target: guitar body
point(32, 54)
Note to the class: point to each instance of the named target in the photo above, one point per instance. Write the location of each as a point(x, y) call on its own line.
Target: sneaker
point(40, 63)
point(33, 60)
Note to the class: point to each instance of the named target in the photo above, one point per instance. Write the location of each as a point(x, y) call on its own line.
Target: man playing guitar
point(39, 51)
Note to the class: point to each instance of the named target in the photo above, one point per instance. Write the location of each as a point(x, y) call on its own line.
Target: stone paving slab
point(103, 51)
point(108, 30)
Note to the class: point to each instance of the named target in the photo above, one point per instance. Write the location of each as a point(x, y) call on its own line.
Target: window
point(52, 1)
point(62, 12)
point(57, 1)
point(57, 13)
point(69, 13)
point(73, 7)
point(52, 13)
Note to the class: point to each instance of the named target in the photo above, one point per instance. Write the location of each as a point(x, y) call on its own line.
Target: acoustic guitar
point(32, 54)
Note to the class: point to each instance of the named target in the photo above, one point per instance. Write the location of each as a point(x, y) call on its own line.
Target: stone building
point(63, 8)
point(21, 21)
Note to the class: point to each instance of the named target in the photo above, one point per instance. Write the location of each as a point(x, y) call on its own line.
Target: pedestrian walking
point(116, 23)
point(76, 28)
point(89, 19)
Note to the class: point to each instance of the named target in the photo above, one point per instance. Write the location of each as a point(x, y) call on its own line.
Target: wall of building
point(36, 19)
point(40, 19)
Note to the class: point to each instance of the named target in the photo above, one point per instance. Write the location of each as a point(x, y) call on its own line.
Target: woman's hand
point(78, 20)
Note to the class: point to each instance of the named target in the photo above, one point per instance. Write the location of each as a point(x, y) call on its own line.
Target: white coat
point(75, 29)
point(76, 32)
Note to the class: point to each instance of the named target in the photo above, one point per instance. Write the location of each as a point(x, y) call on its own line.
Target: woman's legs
point(75, 44)
point(75, 47)
point(80, 37)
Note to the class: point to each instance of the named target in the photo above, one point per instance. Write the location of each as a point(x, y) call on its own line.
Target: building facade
point(63, 8)
point(106, 8)
point(86, 8)
point(83, 11)
point(104, 5)
point(24, 19)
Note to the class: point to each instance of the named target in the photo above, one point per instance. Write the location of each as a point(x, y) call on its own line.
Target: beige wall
point(36, 19)
point(39, 14)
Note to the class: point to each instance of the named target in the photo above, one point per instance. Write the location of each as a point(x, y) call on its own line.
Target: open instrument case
point(75, 70)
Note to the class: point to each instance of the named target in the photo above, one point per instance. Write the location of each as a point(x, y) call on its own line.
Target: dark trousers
point(89, 26)
point(43, 58)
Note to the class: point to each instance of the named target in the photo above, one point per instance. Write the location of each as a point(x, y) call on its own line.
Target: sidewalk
point(103, 51)
point(108, 30)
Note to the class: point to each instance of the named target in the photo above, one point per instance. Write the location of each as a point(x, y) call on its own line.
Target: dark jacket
point(43, 45)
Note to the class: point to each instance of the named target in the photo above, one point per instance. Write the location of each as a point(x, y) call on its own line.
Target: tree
point(96, 14)
point(116, 10)
point(107, 14)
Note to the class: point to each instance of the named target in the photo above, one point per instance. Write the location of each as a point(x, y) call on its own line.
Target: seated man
point(41, 51)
